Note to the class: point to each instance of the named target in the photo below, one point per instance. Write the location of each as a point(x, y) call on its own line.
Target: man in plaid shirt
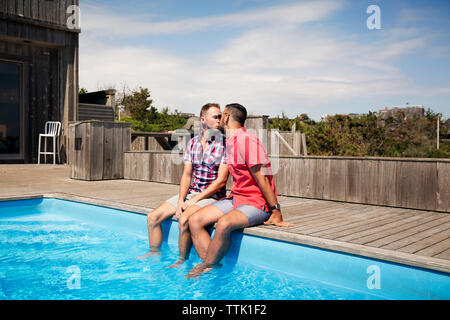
point(203, 182)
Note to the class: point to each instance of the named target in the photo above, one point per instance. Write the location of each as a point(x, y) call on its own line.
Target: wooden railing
point(157, 141)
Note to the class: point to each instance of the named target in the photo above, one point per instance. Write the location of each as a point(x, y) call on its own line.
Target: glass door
point(10, 110)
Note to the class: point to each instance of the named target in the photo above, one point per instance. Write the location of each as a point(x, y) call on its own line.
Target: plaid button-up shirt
point(206, 164)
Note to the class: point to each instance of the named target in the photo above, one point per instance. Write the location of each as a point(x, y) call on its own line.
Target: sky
point(317, 57)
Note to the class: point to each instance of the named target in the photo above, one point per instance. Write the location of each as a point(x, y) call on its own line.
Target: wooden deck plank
point(313, 205)
point(419, 237)
point(397, 217)
point(392, 219)
point(361, 220)
point(305, 210)
point(357, 228)
point(426, 242)
point(323, 216)
point(402, 232)
point(337, 219)
point(435, 249)
point(310, 220)
point(307, 216)
point(329, 217)
point(443, 255)
point(317, 212)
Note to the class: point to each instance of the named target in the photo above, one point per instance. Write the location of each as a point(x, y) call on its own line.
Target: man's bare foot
point(178, 263)
point(148, 254)
point(198, 270)
point(201, 268)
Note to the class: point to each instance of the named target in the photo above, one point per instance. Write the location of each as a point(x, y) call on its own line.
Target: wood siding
point(33, 33)
point(95, 112)
point(48, 11)
point(96, 149)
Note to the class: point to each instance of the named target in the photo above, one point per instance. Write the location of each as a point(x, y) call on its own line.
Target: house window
point(10, 109)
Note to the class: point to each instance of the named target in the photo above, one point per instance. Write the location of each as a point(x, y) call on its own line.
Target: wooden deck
point(423, 233)
point(414, 237)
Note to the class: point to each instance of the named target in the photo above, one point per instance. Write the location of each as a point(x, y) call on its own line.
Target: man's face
point(224, 118)
point(212, 118)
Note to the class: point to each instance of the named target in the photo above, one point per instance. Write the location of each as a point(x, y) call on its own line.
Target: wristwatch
point(275, 207)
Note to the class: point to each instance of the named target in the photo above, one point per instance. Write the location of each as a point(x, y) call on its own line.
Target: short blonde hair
point(207, 106)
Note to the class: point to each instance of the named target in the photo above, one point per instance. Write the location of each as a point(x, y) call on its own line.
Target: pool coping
point(409, 259)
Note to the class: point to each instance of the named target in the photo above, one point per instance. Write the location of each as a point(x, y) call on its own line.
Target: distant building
point(186, 115)
point(325, 116)
point(409, 111)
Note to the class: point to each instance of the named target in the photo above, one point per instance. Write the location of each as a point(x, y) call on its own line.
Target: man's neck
point(231, 131)
point(203, 136)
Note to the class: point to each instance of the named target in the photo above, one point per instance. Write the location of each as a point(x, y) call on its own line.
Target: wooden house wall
point(50, 11)
point(48, 51)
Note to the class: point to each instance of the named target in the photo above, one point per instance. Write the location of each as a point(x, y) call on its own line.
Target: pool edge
point(429, 263)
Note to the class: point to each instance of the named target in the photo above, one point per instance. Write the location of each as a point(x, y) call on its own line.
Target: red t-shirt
point(243, 151)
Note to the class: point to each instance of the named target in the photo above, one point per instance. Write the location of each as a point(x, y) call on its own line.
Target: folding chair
point(52, 130)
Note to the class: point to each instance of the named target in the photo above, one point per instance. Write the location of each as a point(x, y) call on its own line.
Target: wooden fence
point(397, 182)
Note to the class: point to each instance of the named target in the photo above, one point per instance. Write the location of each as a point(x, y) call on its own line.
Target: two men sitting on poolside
point(203, 182)
point(253, 198)
point(201, 202)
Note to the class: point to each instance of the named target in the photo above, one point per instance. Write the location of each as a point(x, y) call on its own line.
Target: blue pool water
point(57, 249)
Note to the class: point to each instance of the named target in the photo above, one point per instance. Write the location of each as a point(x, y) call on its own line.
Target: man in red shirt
point(253, 198)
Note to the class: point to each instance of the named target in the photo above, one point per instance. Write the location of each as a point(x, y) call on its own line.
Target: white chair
point(52, 130)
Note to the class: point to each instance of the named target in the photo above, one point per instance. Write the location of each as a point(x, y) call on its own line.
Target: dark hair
point(206, 107)
point(238, 112)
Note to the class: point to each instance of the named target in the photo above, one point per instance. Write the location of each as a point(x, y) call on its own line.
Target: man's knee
point(156, 216)
point(224, 226)
point(183, 223)
point(195, 222)
point(152, 218)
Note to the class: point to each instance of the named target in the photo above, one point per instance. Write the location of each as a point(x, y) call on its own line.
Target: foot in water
point(149, 254)
point(178, 263)
point(201, 268)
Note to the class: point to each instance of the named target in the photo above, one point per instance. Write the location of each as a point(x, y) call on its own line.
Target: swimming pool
point(58, 249)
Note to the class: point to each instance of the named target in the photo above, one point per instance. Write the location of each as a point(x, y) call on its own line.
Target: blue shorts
point(255, 216)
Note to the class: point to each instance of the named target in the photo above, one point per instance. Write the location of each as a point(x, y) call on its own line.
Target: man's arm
point(266, 189)
point(185, 182)
point(219, 183)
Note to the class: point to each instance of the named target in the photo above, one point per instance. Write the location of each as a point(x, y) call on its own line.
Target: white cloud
point(103, 21)
point(269, 69)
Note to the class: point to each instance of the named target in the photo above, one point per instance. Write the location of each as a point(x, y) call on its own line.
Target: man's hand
point(277, 220)
point(189, 203)
point(180, 209)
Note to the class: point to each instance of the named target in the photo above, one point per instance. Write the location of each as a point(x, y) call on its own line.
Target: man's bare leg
point(197, 226)
point(220, 243)
point(154, 220)
point(184, 240)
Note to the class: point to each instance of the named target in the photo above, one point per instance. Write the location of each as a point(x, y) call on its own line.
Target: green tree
point(367, 135)
point(137, 103)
